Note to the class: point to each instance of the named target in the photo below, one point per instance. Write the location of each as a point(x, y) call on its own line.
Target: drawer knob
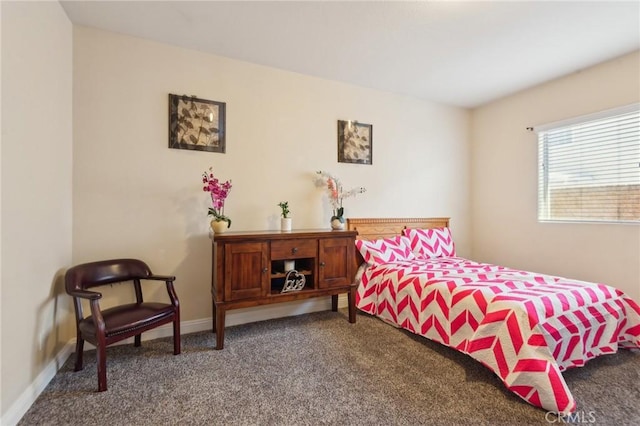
point(322, 263)
point(264, 270)
point(294, 250)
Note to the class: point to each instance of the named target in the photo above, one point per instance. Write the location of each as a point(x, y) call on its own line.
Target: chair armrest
point(91, 295)
point(160, 277)
point(168, 279)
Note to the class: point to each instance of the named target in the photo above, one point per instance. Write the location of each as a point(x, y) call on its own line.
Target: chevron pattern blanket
point(526, 327)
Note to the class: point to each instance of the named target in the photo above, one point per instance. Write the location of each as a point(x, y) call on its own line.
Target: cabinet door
point(246, 270)
point(335, 262)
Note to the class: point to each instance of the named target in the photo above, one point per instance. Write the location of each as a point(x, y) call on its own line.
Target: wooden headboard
point(373, 229)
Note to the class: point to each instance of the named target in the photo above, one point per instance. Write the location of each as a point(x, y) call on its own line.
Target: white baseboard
point(28, 397)
point(240, 316)
point(234, 317)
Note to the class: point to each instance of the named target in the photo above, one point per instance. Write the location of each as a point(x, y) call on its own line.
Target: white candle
point(289, 265)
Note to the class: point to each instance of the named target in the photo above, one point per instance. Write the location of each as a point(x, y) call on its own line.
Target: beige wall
point(504, 182)
point(36, 195)
point(133, 196)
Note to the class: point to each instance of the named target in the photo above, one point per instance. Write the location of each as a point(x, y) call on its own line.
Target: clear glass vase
point(337, 222)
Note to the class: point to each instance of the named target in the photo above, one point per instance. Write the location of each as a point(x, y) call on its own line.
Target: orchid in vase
point(336, 194)
point(219, 192)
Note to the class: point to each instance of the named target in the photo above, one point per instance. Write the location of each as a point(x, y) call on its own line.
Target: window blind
point(589, 170)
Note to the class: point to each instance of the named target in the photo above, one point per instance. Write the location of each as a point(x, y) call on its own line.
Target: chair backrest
point(87, 275)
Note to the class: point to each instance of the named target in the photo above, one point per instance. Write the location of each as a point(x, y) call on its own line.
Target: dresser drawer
point(294, 249)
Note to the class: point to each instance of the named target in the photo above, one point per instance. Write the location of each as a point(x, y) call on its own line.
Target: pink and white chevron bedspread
point(526, 327)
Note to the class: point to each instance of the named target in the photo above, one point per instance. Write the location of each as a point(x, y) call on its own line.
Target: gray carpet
point(317, 369)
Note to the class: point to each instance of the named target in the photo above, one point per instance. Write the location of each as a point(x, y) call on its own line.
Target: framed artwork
point(355, 142)
point(197, 124)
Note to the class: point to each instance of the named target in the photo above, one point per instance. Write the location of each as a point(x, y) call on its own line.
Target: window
point(589, 168)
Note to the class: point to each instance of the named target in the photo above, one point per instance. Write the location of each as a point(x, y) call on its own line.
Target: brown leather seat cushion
point(128, 317)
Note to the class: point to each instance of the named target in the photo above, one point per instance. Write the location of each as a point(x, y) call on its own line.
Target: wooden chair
point(114, 324)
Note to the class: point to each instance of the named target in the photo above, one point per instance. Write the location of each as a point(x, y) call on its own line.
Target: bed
point(526, 327)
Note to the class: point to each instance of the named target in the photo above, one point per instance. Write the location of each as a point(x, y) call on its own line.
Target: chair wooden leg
point(102, 368)
point(176, 336)
point(137, 340)
point(79, 353)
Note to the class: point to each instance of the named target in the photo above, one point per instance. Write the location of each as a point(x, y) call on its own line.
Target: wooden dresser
point(249, 269)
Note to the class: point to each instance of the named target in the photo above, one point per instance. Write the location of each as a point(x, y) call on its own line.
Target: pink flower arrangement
point(219, 192)
point(336, 192)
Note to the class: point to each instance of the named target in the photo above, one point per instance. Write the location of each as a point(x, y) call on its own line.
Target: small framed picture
point(355, 142)
point(197, 124)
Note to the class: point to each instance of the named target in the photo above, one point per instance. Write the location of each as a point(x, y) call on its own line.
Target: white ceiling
point(457, 53)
